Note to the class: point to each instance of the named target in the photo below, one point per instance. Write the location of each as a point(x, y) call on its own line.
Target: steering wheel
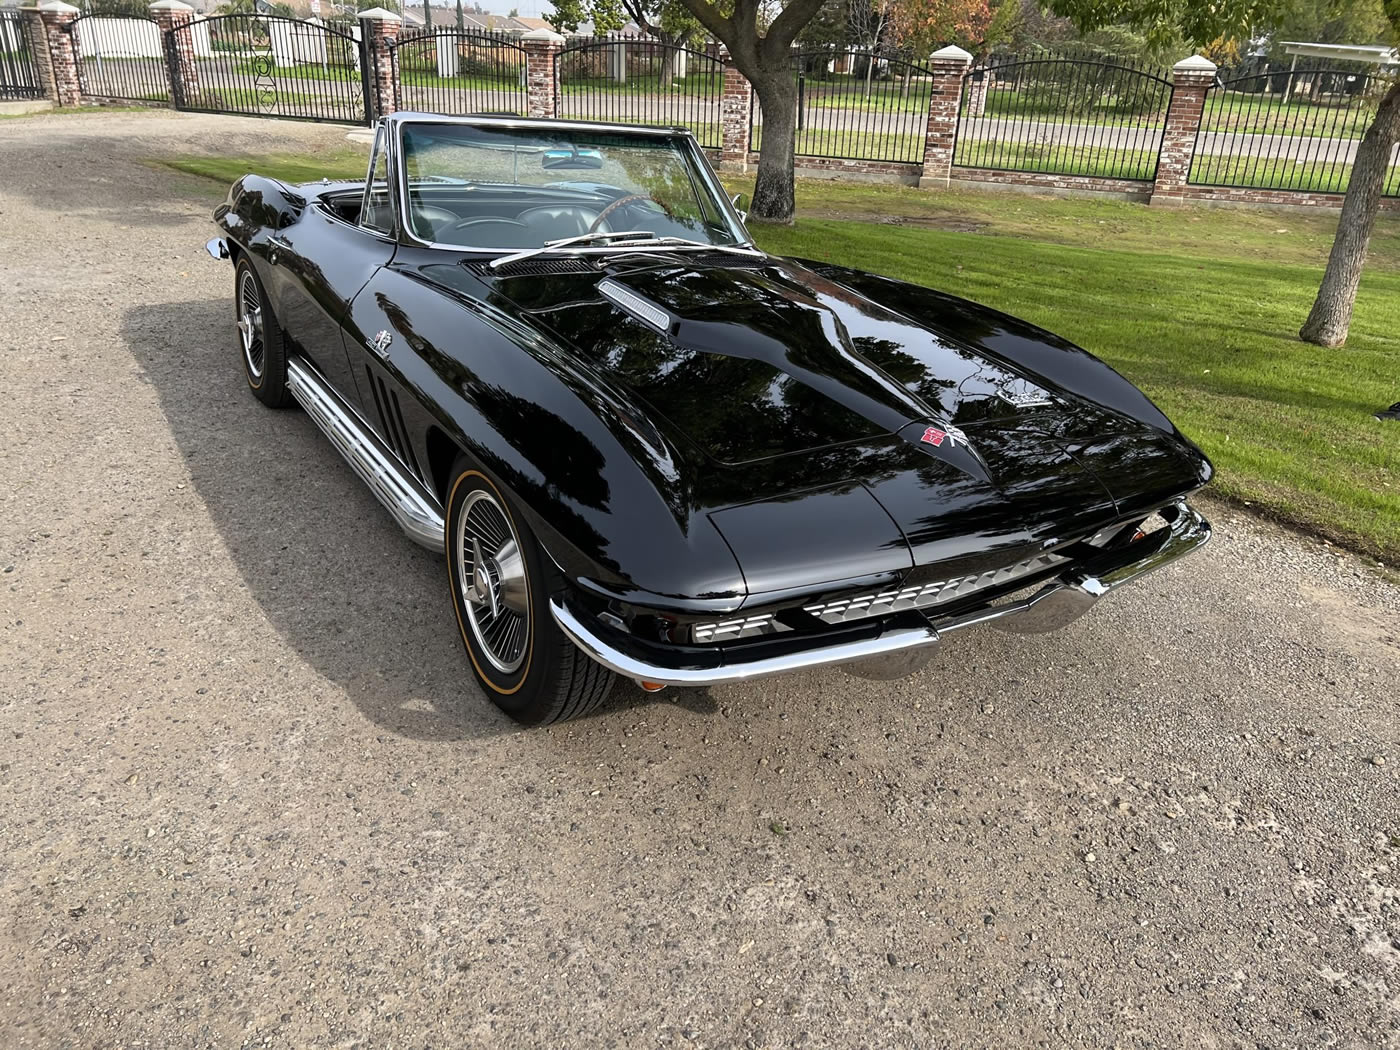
point(631, 198)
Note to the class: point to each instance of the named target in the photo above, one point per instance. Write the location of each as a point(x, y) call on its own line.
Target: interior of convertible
point(514, 188)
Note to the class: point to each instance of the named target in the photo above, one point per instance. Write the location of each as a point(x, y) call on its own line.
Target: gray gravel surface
point(249, 795)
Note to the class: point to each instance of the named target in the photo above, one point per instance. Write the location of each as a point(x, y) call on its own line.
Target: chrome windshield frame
point(683, 136)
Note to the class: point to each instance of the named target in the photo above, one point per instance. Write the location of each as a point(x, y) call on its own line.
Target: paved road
point(249, 796)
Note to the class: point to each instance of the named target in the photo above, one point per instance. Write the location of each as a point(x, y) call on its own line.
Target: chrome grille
point(843, 610)
point(732, 630)
point(883, 603)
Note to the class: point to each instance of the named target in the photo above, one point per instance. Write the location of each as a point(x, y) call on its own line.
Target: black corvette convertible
point(649, 449)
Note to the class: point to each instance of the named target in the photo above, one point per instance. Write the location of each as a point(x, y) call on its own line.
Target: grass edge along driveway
point(1199, 307)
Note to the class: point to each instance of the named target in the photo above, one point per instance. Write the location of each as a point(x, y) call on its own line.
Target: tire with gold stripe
point(500, 591)
point(260, 338)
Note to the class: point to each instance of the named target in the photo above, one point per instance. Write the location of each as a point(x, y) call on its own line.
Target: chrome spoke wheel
point(250, 324)
point(491, 578)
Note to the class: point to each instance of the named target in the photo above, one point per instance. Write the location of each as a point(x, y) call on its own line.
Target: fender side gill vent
point(632, 303)
point(531, 266)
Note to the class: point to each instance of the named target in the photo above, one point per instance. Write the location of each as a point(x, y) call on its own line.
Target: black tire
point(525, 664)
point(261, 343)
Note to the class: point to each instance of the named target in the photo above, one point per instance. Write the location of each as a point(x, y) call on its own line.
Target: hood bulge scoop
point(757, 362)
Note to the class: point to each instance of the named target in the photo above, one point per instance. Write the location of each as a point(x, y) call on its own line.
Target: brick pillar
point(39, 49)
point(948, 67)
point(735, 116)
point(175, 17)
point(541, 58)
point(62, 48)
point(977, 87)
point(1191, 77)
point(378, 29)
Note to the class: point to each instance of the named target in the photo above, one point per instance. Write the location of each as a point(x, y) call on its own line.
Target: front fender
point(600, 486)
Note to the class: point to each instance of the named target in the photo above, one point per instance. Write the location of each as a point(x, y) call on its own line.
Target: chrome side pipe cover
point(415, 510)
point(900, 650)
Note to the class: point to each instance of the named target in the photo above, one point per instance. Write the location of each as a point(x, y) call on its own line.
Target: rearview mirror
point(738, 202)
point(571, 160)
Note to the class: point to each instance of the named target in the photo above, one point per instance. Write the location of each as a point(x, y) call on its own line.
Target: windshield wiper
point(564, 242)
point(677, 243)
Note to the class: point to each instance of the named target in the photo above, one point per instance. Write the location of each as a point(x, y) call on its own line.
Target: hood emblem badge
point(1023, 395)
point(935, 436)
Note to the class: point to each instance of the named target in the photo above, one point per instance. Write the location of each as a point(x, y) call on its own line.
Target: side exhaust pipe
point(417, 512)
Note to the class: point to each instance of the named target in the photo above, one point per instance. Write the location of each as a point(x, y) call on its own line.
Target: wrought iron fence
point(459, 72)
point(19, 76)
point(641, 81)
point(1068, 116)
point(269, 66)
point(857, 104)
point(1288, 130)
point(119, 58)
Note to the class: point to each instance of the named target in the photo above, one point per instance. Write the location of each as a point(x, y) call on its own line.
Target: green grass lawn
point(1198, 306)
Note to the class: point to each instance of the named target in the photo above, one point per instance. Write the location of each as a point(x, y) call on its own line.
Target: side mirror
point(738, 202)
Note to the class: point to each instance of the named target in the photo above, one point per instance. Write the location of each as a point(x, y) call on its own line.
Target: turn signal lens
point(650, 687)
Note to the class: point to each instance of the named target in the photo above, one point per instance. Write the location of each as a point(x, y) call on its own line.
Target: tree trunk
point(773, 195)
point(1330, 318)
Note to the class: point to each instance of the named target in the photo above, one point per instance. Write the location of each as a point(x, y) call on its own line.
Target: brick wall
point(379, 28)
point(948, 67)
point(175, 17)
point(1052, 183)
point(1191, 78)
point(541, 54)
point(63, 56)
point(735, 112)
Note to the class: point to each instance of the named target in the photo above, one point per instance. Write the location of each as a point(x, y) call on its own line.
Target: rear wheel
point(260, 338)
point(500, 590)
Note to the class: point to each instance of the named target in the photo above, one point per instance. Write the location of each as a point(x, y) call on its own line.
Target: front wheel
point(500, 590)
point(260, 338)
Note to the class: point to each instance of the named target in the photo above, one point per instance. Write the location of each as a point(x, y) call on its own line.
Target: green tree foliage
point(1205, 21)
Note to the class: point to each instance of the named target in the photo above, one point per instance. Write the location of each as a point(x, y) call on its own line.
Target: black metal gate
point(459, 72)
point(641, 81)
point(19, 76)
point(119, 58)
point(268, 66)
point(1063, 115)
point(1294, 129)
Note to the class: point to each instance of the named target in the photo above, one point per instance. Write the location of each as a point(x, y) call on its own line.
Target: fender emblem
point(935, 436)
point(381, 342)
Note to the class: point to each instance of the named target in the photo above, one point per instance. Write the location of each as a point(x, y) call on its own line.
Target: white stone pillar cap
point(170, 5)
point(58, 6)
point(1194, 64)
point(951, 53)
point(545, 35)
point(378, 14)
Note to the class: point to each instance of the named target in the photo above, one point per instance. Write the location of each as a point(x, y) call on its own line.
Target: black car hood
point(796, 386)
point(751, 362)
point(756, 362)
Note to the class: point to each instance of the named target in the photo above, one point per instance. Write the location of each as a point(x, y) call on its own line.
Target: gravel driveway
point(249, 795)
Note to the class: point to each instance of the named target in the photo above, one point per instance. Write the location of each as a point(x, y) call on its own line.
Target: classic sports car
point(649, 449)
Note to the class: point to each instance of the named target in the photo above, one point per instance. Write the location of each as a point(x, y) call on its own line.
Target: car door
point(320, 264)
point(378, 339)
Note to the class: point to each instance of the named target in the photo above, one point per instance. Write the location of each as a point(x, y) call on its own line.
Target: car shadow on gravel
point(336, 579)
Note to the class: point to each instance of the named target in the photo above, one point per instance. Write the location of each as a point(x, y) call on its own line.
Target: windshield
point(519, 188)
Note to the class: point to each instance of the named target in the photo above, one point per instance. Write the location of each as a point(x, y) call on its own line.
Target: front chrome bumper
point(902, 647)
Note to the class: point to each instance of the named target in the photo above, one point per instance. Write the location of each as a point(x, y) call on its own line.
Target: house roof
point(1374, 54)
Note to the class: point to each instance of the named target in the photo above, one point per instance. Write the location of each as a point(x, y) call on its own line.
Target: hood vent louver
point(630, 302)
